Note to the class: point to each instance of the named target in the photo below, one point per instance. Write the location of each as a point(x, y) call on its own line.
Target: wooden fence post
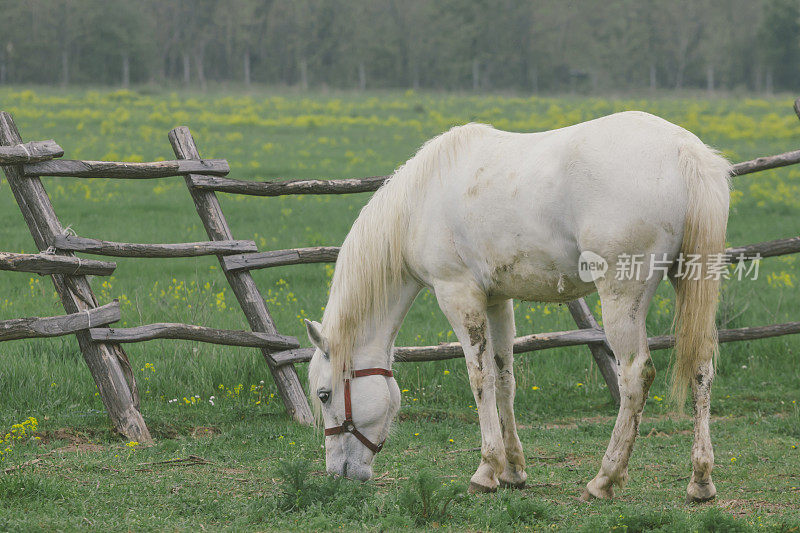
point(601, 351)
point(108, 363)
point(250, 299)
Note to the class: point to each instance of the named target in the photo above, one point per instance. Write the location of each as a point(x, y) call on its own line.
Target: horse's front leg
point(465, 308)
point(501, 326)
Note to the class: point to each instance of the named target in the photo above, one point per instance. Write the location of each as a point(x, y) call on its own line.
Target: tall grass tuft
point(427, 499)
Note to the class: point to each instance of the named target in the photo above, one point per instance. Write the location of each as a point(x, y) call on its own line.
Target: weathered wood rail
point(108, 363)
point(57, 326)
point(285, 187)
point(134, 171)
point(252, 339)
point(29, 152)
point(293, 256)
point(556, 339)
point(766, 163)
point(764, 249)
point(55, 264)
point(127, 249)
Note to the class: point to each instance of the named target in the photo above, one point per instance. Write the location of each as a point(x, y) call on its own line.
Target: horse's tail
point(706, 174)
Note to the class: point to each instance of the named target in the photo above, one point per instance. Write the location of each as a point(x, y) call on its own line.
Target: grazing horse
point(481, 216)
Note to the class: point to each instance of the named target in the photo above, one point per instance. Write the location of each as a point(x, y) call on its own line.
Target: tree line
point(482, 45)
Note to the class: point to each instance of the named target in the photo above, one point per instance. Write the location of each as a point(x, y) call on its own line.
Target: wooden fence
point(23, 163)
point(101, 345)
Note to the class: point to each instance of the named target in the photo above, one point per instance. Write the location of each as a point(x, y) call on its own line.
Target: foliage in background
point(541, 45)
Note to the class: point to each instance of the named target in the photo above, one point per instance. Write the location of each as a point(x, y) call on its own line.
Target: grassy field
point(253, 468)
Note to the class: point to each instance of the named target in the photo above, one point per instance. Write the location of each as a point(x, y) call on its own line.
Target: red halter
point(348, 426)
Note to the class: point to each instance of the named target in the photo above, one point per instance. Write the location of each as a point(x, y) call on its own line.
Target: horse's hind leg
point(464, 305)
point(501, 326)
point(701, 488)
point(625, 306)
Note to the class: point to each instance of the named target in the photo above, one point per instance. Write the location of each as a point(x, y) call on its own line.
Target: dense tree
point(529, 46)
point(778, 39)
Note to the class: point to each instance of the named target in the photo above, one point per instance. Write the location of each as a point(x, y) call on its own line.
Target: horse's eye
point(323, 396)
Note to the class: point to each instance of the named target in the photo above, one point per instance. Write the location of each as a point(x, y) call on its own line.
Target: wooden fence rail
point(293, 256)
point(56, 326)
point(55, 264)
point(31, 152)
point(110, 169)
point(127, 249)
point(764, 249)
point(283, 187)
point(556, 339)
point(188, 332)
point(766, 163)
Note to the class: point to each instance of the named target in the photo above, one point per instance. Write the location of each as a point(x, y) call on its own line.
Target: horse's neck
point(380, 332)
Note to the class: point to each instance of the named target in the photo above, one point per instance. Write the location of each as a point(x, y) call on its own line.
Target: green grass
point(264, 471)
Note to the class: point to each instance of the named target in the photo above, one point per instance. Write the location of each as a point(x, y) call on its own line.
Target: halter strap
point(348, 426)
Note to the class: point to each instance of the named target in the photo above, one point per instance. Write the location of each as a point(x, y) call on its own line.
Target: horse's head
point(357, 408)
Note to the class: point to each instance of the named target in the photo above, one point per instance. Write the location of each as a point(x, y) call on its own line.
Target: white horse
point(481, 216)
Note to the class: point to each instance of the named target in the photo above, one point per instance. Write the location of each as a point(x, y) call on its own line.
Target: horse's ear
point(316, 337)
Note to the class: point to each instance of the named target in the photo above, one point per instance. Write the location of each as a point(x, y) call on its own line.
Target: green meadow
point(227, 456)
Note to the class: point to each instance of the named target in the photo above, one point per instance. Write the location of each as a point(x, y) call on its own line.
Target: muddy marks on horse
point(476, 328)
point(475, 324)
point(648, 374)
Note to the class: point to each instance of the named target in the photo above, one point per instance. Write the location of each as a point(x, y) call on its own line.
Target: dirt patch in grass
point(75, 437)
point(85, 447)
point(204, 431)
point(742, 508)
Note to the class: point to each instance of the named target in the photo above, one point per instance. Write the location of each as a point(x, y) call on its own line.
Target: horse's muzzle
point(352, 470)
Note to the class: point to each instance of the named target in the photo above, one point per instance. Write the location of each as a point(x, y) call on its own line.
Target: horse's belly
point(524, 279)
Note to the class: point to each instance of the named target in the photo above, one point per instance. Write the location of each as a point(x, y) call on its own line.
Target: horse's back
point(516, 210)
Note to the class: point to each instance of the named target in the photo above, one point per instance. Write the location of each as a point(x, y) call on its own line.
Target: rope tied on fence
point(89, 317)
point(68, 231)
point(51, 250)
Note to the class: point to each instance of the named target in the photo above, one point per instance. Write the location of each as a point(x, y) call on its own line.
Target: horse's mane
point(370, 262)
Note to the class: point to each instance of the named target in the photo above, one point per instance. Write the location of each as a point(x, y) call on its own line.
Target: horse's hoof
point(700, 492)
point(592, 493)
point(512, 484)
point(693, 499)
point(476, 488)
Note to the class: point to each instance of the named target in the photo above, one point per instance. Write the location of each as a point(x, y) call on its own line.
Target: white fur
point(482, 216)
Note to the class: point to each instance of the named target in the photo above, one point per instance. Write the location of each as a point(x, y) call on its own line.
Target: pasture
point(227, 455)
